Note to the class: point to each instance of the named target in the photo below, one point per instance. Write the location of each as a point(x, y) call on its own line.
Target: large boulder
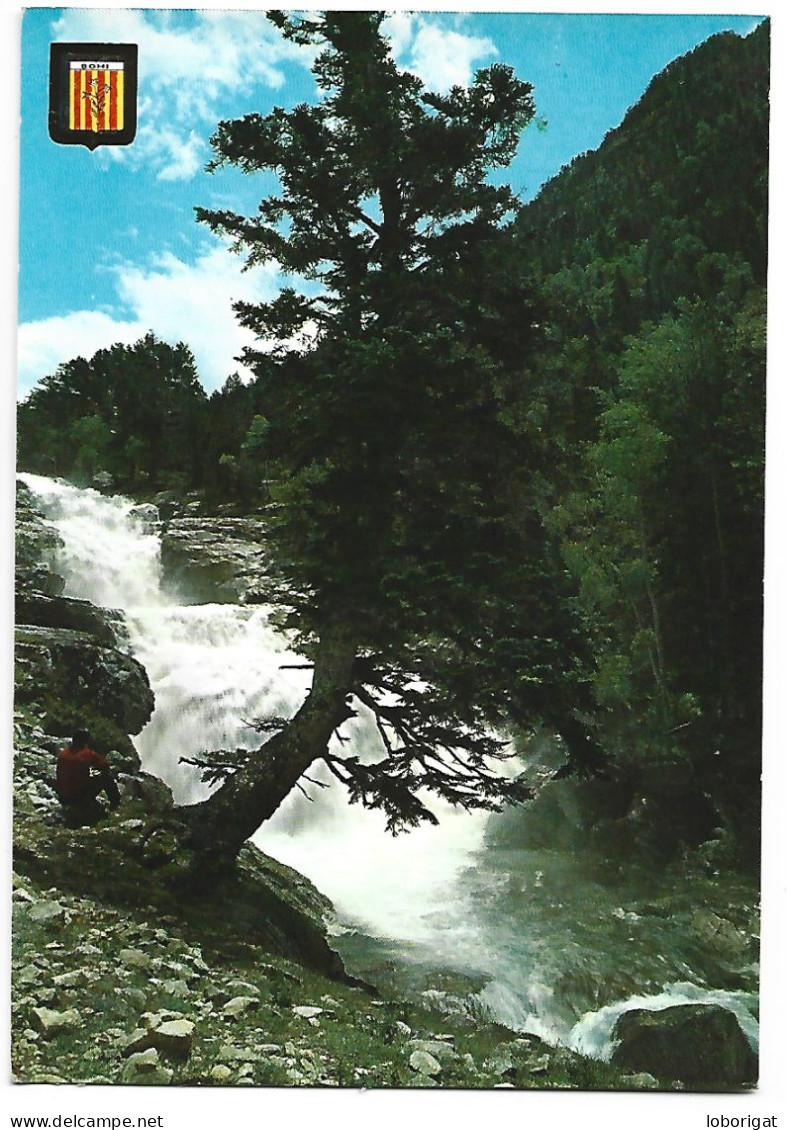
point(700, 1044)
point(105, 625)
point(215, 560)
point(71, 666)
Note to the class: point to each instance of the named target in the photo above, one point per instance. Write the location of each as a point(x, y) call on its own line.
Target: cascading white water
point(527, 924)
point(213, 669)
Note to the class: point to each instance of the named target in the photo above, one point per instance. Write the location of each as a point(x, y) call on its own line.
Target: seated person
point(82, 774)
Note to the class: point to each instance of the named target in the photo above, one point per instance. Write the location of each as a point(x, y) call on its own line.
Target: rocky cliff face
point(215, 559)
point(72, 662)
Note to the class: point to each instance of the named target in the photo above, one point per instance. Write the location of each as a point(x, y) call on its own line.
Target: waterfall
point(550, 947)
point(213, 669)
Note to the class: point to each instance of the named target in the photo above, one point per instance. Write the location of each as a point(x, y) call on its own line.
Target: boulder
point(442, 1051)
point(103, 482)
point(85, 674)
point(220, 1073)
point(71, 979)
point(172, 1038)
point(307, 1011)
point(47, 911)
point(642, 1081)
point(700, 1044)
point(105, 625)
point(51, 1023)
point(144, 1068)
point(136, 959)
point(238, 1006)
point(424, 1063)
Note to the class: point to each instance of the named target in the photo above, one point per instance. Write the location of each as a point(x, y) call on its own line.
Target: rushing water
point(540, 940)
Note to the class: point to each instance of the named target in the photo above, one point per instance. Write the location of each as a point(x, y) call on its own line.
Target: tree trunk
point(221, 824)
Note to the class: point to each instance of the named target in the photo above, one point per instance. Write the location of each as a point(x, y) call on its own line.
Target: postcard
point(389, 555)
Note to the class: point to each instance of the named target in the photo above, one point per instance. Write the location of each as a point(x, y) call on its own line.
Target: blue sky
point(109, 248)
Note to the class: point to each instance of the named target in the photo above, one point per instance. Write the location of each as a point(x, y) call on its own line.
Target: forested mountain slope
point(674, 202)
point(650, 256)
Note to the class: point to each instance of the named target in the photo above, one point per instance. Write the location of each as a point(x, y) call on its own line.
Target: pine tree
point(392, 422)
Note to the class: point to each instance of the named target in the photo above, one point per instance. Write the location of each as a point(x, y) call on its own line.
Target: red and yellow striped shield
point(92, 93)
point(95, 96)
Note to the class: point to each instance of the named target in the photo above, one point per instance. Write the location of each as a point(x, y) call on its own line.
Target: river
point(544, 941)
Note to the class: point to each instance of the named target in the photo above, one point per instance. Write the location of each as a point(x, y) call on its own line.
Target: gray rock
point(137, 959)
point(48, 911)
point(105, 625)
point(642, 1081)
point(102, 481)
point(86, 672)
point(147, 516)
point(176, 987)
point(172, 1038)
point(238, 1006)
point(307, 1011)
point(220, 1073)
point(700, 1044)
point(719, 934)
point(423, 1063)
point(238, 988)
point(441, 1050)
point(144, 1068)
point(73, 979)
point(30, 975)
point(175, 1038)
point(237, 1055)
point(51, 1023)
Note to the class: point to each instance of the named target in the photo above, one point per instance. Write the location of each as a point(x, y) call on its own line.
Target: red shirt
point(73, 771)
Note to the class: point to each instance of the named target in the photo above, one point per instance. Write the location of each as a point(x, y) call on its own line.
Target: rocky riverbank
point(130, 967)
point(126, 969)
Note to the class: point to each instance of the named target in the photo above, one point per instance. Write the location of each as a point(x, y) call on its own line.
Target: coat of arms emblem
point(93, 93)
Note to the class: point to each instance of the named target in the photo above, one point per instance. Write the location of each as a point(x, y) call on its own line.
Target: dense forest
point(622, 331)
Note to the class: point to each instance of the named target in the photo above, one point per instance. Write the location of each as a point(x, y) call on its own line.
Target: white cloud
point(190, 63)
point(442, 58)
point(398, 28)
point(439, 55)
point(178, 301)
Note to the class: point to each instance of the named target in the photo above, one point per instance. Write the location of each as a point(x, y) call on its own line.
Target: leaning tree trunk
point(221, 824)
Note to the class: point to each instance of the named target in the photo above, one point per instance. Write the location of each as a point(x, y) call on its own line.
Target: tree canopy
point(132, 411)
point(393, 422)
